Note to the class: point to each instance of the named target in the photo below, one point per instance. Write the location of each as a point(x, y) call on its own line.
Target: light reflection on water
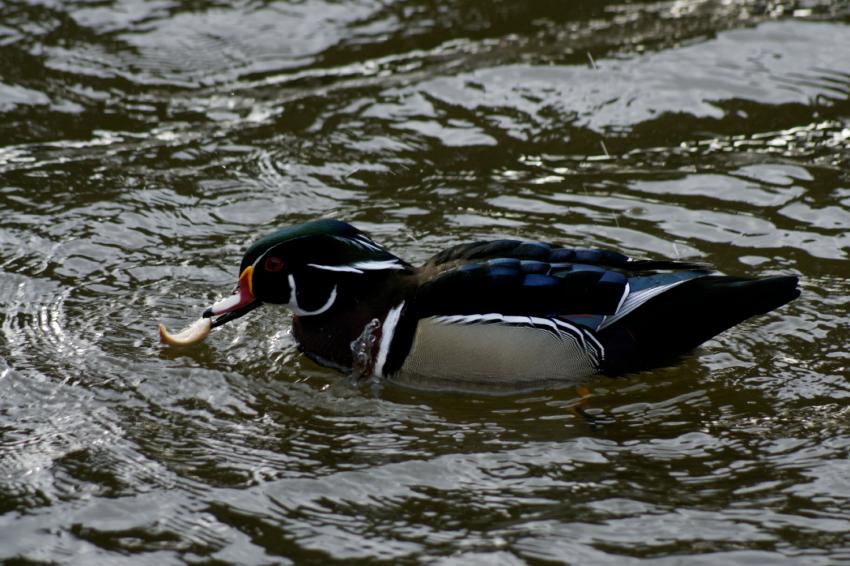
point(144, 145)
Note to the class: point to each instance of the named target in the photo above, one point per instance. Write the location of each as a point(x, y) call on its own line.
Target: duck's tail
point(682, 318)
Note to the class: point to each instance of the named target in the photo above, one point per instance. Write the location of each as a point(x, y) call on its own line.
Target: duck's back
point(517, 312)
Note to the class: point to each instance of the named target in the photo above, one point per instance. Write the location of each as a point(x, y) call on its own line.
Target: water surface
point(144, 145)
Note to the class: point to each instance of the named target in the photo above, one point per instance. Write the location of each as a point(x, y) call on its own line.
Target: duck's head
point(303, 267)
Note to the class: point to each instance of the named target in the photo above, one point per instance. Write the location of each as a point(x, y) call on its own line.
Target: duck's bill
point(200, 329)
point(227, 316)
point(240, 303)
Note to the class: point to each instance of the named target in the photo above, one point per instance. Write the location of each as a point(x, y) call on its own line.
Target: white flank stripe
point(636, 299)
point(550, 323)
point(573, 329)
point(601, 348)
point(293, 301)
point(626, 291)
point(387, 333)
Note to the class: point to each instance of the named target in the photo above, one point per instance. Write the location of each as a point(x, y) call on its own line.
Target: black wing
point(552, 254)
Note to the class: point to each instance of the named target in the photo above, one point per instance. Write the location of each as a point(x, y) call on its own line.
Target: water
point(143, 145)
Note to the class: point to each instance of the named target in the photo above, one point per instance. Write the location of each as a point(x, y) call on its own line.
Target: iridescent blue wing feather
point(517, 287)
point(536, 279)
point(551, 254)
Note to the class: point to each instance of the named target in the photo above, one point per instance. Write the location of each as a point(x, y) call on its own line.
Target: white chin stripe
point(387, 333)
point(293, 301)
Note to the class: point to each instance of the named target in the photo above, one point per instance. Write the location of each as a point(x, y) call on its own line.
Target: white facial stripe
point(387, 332)
point(335, 267)
point(386, 264)
point(293, 301)
point(366, 242)
point(361, 241)
point(360, 266)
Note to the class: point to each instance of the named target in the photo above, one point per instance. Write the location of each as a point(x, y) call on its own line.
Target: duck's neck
point(348, 336)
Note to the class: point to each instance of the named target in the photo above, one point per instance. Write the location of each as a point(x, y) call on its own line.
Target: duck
point(496, 311)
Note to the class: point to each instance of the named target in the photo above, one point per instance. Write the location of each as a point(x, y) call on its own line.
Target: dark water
point(143, 145)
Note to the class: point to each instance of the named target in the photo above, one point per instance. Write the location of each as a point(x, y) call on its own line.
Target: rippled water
point(143, 145)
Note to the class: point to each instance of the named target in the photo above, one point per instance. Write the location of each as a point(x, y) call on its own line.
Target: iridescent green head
point(303, 267)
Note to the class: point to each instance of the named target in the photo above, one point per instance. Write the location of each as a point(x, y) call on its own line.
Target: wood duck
point(489, 311)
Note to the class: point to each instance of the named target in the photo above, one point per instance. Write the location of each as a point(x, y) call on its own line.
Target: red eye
point(273, 264)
